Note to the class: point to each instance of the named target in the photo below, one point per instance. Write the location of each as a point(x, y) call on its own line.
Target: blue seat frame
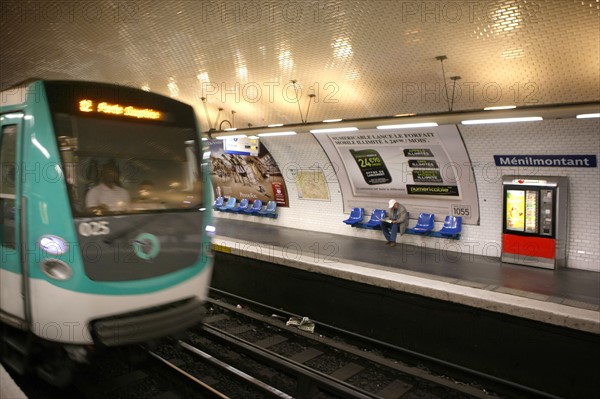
point(452, 226)
point(219, 202)
point(356, 216)
point(425, 223)
point(375, 220)
point(270, 210)
point(256, 206)
point(229, 205)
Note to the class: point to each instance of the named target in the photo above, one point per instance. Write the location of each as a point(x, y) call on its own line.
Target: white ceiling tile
point(360, 58)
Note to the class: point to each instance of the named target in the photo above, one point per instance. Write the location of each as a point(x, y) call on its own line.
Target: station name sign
point(119, 110)
point(578, 161)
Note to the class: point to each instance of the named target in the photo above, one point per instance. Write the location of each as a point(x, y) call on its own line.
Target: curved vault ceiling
point(349, 58)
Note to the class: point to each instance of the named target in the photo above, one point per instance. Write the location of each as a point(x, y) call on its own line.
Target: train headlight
point(210, 230)
point(56, 269)
point(53, 245)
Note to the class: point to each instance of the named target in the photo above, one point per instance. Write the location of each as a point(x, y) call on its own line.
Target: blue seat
point(424, 224)
point(244, 204)
point(270, 210)
point(229, 205)
point(452, 226)
point(375, 220)
point(256, 206)
point(356, 216)
point(219, 202)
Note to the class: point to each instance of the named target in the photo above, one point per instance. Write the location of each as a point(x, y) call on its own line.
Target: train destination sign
point(120, 110)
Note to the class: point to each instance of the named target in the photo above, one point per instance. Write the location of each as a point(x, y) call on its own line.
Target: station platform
point(563, 297)
point(8, 388)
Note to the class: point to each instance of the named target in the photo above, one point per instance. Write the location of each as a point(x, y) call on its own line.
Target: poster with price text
point(426, 169)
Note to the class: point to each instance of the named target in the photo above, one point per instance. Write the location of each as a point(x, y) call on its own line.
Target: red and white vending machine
point(534, 230)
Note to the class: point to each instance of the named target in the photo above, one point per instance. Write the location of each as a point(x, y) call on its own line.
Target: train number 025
point(93, 229)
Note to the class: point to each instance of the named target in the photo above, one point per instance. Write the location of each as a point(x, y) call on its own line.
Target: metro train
point(105, 222)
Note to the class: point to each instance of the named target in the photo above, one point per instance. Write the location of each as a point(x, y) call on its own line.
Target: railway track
point(306, 365)
point(375, 367)
point(241, 351)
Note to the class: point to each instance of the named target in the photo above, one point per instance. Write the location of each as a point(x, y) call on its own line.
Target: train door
point(11, 273)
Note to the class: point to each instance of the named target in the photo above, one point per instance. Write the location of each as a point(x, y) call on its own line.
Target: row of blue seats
point(452, 227)
point(358, 214)
point(244, 207)
point(425, 224)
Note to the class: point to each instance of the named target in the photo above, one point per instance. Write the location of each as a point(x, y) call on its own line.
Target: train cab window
point(128, 167)
point(8, 162)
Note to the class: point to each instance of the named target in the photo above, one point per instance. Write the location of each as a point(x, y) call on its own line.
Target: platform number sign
point(461, 210)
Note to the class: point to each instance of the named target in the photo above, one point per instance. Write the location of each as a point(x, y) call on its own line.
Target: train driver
point(108, 195)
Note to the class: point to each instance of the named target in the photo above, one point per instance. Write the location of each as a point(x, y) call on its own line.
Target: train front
point(134, 261)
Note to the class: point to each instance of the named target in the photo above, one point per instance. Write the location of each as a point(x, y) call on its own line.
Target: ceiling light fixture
point(500, 107)
point(502, 120)
point(239, 136)
point(408, 125)
point(441, 59)
point(586, 116)
point(332, 120)
point(335, 130)
point(453, 78)
point(290, 133)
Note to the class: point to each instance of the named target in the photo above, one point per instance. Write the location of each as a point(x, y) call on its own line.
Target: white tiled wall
point(552, 137)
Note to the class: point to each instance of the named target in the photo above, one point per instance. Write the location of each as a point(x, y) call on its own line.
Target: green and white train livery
point(104, 221)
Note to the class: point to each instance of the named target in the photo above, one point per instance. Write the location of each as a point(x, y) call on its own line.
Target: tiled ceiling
point(348, 58)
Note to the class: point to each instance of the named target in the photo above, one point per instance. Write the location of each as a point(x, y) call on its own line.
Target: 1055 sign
point(461, 210)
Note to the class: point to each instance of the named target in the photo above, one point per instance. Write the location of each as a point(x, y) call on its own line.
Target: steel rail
point(450, 365)
point(204, 386)
point(305, 373)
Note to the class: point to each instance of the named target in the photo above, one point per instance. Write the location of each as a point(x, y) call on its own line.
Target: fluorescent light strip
point(275, 125)
point(291, 133)
point(332, 120)
point(500, 107)
point(239, 136)
point(501, 120)
point(408, 125)
point(586, 116)
point(335, 130)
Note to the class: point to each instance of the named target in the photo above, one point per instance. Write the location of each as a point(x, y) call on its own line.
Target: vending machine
point(534, 230)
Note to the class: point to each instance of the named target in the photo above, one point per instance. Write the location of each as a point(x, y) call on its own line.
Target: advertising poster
point(426, 169)
point(246, 176)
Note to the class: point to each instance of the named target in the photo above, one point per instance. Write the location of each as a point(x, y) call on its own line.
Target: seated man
point(394, 222)
point(108, 195)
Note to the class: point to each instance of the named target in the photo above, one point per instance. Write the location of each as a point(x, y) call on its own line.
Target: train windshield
point(126, 167)
point(124, 150)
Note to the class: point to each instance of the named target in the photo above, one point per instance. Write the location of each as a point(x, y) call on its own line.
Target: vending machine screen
point(515, 210)
point(531, 208)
